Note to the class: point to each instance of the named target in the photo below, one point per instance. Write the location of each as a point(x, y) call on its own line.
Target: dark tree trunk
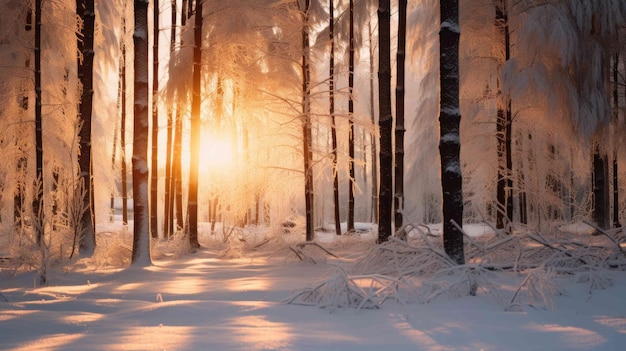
point(141, 216)
point(306, 127)
point(192, 201)
point(385, 122)
point(616, 223)
point(123, 168)
point(351, 180)
point(374, 153)
point(600, 188)
point(168, 218)
point(449, 123)
point(400, 91)
point(154, 169)
point(504, 192)
point(38, 205)
point(86, 11)
point(331, 88)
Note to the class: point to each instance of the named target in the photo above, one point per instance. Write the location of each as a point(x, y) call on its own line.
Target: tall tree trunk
point(86, 12)
point(178, 170)
point(600, 188)
point(168, 218)
point(178, 144)
point(192, 201)
point(114, 148)
point(20, 192)
point(331, 88)
point(154, 169)
point(38, 206)
point(400, 91)
point(616, 223)
point(141, 232)
point(123, 167)
point(306, 127)
point(504, 191)
point(449, 125)
point(351, 178)
point(373, 134)
point(385, 122)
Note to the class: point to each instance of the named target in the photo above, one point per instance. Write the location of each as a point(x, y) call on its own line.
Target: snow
point(215, 299)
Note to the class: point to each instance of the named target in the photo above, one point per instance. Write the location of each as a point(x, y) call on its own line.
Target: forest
point(143, 132)
point(413, 150)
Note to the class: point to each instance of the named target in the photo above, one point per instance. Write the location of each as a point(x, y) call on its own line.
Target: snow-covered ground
point(219, 299)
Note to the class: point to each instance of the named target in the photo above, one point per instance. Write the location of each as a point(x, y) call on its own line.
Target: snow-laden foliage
point(418, 270)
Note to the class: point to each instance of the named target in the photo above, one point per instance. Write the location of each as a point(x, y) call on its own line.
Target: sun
point(215, 152)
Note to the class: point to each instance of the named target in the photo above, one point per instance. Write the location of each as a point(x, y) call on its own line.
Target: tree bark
point(385, 122)
point(154, 169)
point(351, 178)
point(373, 134)
point(86, 11)
point(616, 223)
point(504, 192)
point(400, 91)
point(306, 127)
point(600, 188)
point(38, 205)
point(331, 88)
point(168, 218)
point(449, 125)
point(141, 232)
point(124, 170)
point(192, 200)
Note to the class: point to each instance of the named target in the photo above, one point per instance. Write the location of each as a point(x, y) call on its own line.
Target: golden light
point(215, 151)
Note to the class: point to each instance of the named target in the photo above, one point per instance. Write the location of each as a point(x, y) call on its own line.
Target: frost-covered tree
point(449, 123)
point(154, 169)
point(399, 130)
point(307, 138)
point(86, 12)
point(385, 121)
point(38, 199)
point(141, 228)
point(560, 68)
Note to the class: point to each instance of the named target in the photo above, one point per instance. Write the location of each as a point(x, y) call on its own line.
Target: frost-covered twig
point(600, 230)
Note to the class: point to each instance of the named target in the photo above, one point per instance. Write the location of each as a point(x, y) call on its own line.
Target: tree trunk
point(504, 192)
point(385, 122)
point(331, 88)
point(141, 232)
point(38, 205)
point(449, 125)
point(154, 169)
point(123, 168)
point(86, 11)
point(168, 218)
point(616, 223)
point(114, 149)
point(400, 91)
point(600, 188)
point(306, 127)
point(192, 201)
point(373, 134)
point(351, 178)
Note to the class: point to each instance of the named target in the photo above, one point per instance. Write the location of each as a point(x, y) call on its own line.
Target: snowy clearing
point(232, 298)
